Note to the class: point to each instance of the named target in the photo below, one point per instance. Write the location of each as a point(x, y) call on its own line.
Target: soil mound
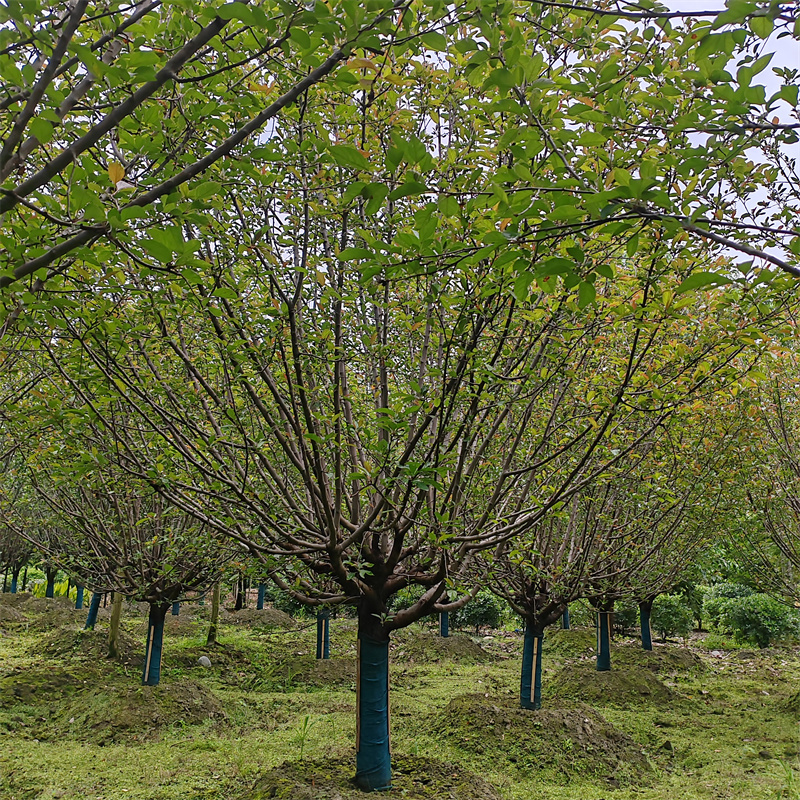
point(412, 777)
point(425, 647)
point(90, 646)
point(140, 712)
point(41, 685)
point(10, 614)
point(16, 600)
point(570, 741)
point(45, 613)
point(619, 687)
point(268, 617)
point(311, 671)
point(570, 643)
point(662, 658)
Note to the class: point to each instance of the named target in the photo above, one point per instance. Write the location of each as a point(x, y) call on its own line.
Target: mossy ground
point(75, 725)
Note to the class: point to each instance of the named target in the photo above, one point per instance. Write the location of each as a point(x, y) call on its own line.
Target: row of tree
point(451, 308)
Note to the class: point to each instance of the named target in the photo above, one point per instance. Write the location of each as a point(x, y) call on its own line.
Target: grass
point(74, 726)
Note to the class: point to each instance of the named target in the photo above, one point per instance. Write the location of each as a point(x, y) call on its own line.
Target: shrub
point(761, 619)
point(717, 603)
point(483, 610)
point(626, 615)
point(581, 614)
point(671, 616)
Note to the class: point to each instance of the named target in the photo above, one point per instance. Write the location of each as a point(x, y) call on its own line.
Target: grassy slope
point(727, 739)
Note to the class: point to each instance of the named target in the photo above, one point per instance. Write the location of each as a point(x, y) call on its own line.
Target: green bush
point(718, 601)
point(484, 610)
point(581, 614)
point(761, 619)
point(671, 616)
point(626, 615)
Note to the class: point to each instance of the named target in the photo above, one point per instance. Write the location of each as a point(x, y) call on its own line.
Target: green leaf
point(700, 280)
point(586, 294)
point(225, 292)
point(407, 189)
point(205, 190)
point(522, 285)
point(434, 40)
point(346, 156)
point(192, 277)
point(236, 11)
point(157, 250)
point(761, 26)
point(41, 129)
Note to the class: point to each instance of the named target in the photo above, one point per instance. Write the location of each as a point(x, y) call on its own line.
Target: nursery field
point(266, 719)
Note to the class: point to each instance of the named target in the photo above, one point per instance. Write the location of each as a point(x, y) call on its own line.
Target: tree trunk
point(176, 609)
point(444, 624)
point(5, 581)
point(238, 603)
point(212, 628)
point(565, 620)
point(113, 629)
point(94, 607)
point(262, 591)
point(50, 589)
point(323, 634)
point(373, 759)
point(645, 607)
point(530, 687)
point(151, 673)
point(14, 579)
point(24, 577)
point(79, 597)
point(604, 640)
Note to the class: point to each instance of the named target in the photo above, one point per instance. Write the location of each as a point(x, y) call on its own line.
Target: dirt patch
point(570, 643)
point(411, 647)
point(250, 616)
point(569, 741)
point(9, 614)
point(140, 712)
point(618, 687)
point(412, 777)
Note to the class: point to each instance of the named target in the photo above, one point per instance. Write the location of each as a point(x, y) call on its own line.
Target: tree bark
point(79, 597)
point(444, 624)
point(262, 591)
point(176, 609)
point(565, 620)
point(212, 628)
point(113, 629)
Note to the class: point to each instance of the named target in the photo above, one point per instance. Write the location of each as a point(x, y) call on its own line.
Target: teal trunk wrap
point(373, 762)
